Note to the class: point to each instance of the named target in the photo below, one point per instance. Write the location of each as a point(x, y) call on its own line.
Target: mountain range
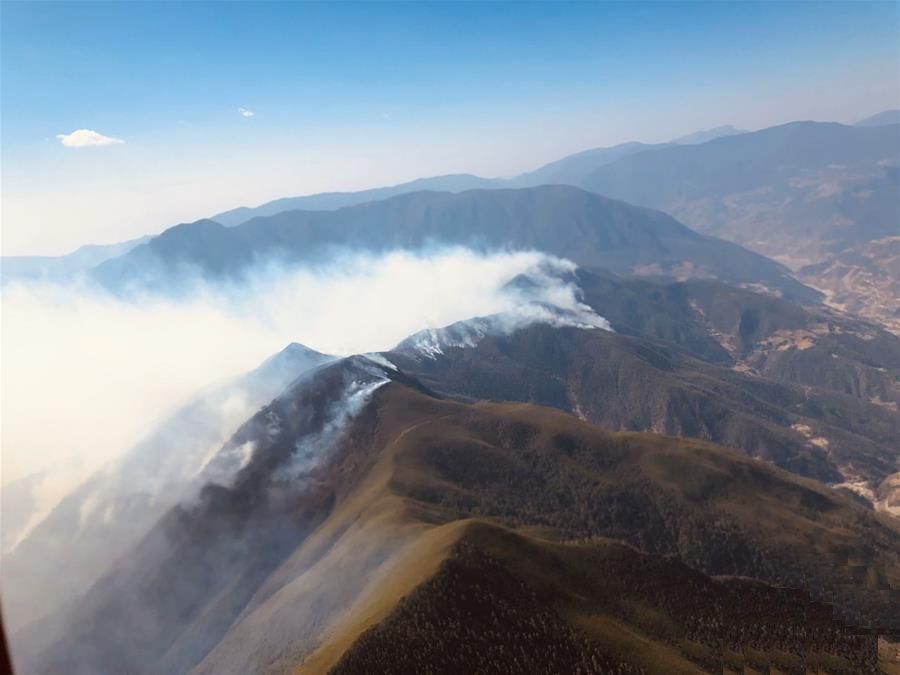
point(696, 470)
point(569, 170)
point(805, 186)
point(566, 171)
point(881, 119)
point(802, 193)
point(586, 228)
point(62, 268)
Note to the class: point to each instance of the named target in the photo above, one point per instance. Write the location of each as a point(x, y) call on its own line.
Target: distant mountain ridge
point(59, 268)
point(569, 170)
point(802, 193)
point(588, 229)
point(793, 190)
point(811, 195)
point(327, 201)
point(799, 192)
point(708, 135)
point(881, 119)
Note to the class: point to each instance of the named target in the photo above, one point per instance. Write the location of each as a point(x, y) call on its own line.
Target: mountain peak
point(882, 119)
point(708, 135)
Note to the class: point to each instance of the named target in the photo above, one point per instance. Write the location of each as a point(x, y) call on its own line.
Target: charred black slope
point(565, 221)
point(355, 468)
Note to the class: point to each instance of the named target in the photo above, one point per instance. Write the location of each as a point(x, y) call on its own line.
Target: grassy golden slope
point(398, 547)
point(501, 600)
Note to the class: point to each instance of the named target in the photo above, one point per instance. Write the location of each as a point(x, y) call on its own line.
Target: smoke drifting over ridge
point(87, 375)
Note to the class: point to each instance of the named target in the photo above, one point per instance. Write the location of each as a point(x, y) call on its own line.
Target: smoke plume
point(87, 374)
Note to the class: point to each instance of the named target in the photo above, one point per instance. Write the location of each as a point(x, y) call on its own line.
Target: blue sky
point(346, 96)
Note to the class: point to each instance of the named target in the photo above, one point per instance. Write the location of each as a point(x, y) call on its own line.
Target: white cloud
point(83, 138)
point(246, 113)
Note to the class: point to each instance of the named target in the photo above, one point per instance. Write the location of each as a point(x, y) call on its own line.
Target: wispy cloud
point(246, 113)
point(84, 138)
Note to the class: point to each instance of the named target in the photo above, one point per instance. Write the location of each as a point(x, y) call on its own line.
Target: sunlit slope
point(502, 600)
point(552, 477)
point(264, 575)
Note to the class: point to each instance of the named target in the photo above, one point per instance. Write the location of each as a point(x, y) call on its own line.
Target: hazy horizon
point(275, 101)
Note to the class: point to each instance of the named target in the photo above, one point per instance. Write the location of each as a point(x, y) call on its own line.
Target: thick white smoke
point(86, 374)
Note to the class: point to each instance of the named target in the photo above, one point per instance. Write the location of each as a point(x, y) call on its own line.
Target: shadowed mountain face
point(810, 195)
point(183, 582)
point(354, 499)
point(631, 383)
point(564, 221)
point(814, 391)
point(69, 549)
